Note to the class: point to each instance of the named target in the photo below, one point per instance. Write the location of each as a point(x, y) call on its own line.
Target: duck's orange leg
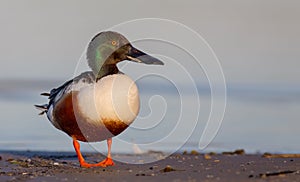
point(106, 162)
point(80, 157)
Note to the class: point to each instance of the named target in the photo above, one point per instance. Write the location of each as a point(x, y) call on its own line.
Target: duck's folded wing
point(72, 85)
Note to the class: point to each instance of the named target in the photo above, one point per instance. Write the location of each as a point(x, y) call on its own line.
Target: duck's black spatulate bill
point(138, 56)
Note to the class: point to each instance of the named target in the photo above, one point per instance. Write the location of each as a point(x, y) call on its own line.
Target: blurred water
point(258, 118)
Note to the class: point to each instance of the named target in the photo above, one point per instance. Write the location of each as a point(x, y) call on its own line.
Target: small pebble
point(240, 152)
point(194, 152)
point(56, 164)
point(207, 156)
point(168, 169)
point(142, 174)
point(209, 176)
point(9, 160)
point(263, 176)
point(212, 153)
point(153, 167)
point(249, 163)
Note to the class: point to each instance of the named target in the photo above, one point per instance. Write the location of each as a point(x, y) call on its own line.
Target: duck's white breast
point(112, 98)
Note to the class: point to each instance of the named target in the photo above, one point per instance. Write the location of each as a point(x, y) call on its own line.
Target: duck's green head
point(107, 49)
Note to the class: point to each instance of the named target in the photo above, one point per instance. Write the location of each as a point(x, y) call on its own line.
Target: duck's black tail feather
point(43, 108)
point(45, 94)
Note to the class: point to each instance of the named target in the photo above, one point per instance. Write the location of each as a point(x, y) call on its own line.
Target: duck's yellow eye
point(113, 42)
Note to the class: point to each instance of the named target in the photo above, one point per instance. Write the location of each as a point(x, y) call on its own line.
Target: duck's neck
point(107, 69)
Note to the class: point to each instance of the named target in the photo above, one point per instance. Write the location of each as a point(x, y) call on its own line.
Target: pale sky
point(256, 41)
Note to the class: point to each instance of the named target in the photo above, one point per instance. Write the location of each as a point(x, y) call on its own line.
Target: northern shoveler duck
point(99, 104)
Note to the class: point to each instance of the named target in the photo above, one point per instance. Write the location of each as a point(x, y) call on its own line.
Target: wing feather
point(74, 84)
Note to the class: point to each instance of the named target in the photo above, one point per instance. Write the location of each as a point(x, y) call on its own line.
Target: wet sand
point(189, 166)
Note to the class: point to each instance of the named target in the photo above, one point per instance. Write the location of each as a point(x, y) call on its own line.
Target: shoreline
point(186, 166)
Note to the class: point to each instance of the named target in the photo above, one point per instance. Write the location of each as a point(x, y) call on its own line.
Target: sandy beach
point(187, 166)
